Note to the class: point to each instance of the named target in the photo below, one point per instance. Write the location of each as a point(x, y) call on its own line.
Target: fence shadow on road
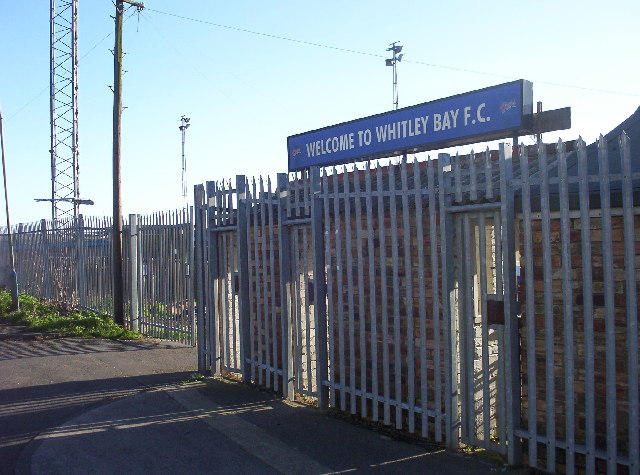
point(17, 349)
point(33, 409)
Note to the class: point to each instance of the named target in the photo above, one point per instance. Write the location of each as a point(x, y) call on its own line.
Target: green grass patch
point(193, 378)
point(40, 316)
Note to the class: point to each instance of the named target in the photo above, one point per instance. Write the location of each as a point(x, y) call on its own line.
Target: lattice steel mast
point(65, 190)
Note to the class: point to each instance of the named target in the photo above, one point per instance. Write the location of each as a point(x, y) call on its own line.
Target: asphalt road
point(45, 383)
point(72, 406)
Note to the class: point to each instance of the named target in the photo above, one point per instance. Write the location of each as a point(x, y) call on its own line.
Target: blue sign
point(482, 115)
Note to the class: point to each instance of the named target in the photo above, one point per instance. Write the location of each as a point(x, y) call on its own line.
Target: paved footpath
point(76, 406)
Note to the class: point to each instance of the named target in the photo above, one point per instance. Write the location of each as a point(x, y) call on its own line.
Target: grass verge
point(40, 316)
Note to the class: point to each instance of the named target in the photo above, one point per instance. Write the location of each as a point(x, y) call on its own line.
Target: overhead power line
point(266, 35)
point(376, 55)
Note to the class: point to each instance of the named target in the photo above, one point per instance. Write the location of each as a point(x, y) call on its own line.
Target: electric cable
point(376, 55)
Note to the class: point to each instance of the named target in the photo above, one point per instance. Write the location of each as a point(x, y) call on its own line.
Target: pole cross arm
point(68, 200)
point(140, 5)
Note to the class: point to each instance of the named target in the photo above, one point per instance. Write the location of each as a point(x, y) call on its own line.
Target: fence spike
point(602, 145)
point(623, 140)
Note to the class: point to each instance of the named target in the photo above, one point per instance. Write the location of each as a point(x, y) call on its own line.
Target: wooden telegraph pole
point(118, 288)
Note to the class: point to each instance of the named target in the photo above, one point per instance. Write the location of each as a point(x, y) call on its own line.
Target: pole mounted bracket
point(138, 5)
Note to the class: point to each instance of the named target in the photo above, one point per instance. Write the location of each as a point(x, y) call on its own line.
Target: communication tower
point(65, 190)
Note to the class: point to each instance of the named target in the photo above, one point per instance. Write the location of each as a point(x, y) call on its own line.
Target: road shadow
point(26, 412)
point(148, 432)
point(18, 348)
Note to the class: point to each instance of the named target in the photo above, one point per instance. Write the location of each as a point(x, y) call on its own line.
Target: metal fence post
point(243, 275)
point(288, 372)
point(211, 284)
point(45, 258)
point(82, 271)
point(133, 272)
point(451, 390)
point(320, 283)
point(4, 259)
point(17, 278)
point(15, 271)
point(190, 270)
point(512, 344)
point(200, 264)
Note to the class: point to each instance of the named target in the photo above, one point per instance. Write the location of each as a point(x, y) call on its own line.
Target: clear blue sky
point(245, 93)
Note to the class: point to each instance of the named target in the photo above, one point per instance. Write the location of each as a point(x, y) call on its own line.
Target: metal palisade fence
point(489, 299)
point(580, 234)
point(71, 262)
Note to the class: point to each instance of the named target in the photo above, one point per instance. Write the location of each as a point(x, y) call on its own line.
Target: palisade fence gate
point(489, 299)
point(71, 262)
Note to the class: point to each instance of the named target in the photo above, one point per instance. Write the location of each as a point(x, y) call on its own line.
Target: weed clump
point(40, 316)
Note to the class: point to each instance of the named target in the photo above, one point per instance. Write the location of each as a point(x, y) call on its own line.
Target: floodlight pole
point(118, 288)
point(395, 79)
point(13, 276)
point(395, 48)
point(183, 128)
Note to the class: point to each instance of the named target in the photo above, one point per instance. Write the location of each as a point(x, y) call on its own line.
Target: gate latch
point(236, 283)
point(311, 292)
point(495, 310)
